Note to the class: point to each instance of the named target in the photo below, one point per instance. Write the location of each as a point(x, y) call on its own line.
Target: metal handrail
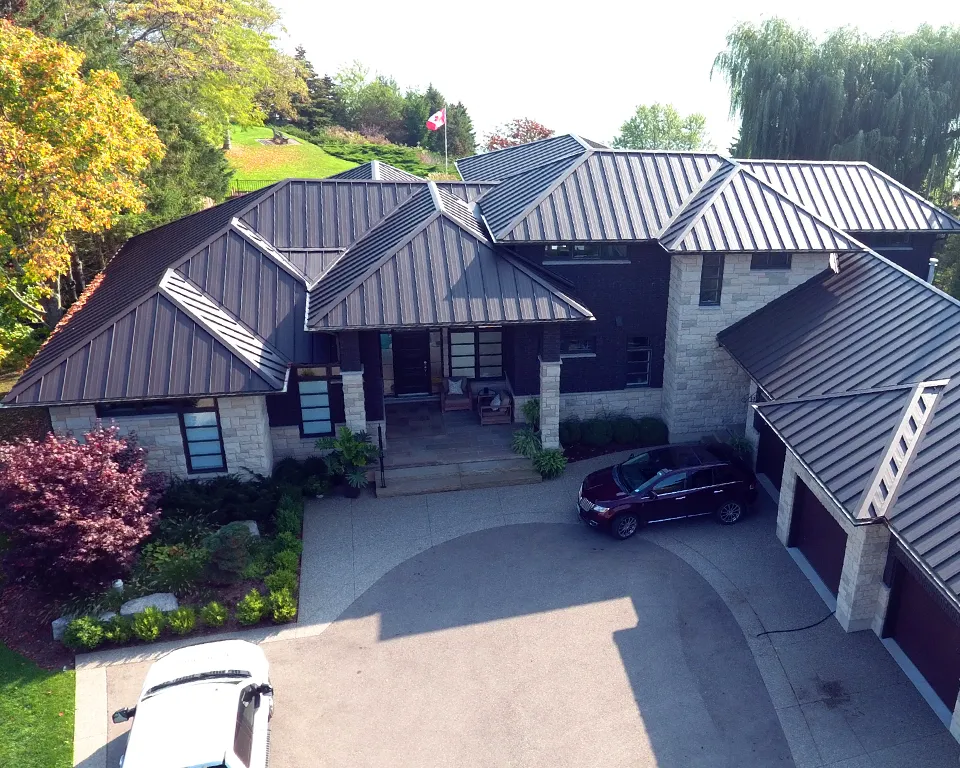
point(383, 478)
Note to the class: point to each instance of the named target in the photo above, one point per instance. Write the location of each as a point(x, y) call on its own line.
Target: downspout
point(932, 268)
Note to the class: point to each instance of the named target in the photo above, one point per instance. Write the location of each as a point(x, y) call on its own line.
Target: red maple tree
point(523, 130)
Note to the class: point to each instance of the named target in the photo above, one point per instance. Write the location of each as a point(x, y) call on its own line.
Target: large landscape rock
point(251, 526)
point(165, 601)
point(60, 626)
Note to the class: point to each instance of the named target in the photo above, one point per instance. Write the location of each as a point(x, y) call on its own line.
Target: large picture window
point(711, 279)
point(639, 355)
point(315, 417)
point(202, 438)
point(476, 354)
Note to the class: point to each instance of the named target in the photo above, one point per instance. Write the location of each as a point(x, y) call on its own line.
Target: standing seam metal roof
point(507, 162)
point(375, 171)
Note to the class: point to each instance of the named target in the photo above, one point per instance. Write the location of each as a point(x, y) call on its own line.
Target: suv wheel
point(730, 512)
point(625, 525)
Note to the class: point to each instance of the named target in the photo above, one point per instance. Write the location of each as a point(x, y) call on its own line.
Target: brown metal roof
point(498, 165)
point(375, 171)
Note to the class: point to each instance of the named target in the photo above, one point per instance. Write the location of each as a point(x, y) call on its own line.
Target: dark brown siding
point(521, 347)
point(913, 256)
point(771, 453)
point(818, 536)
point(372, 374)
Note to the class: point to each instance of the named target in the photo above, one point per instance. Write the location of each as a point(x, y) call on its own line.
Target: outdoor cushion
point(454, 386)
point(496, 402)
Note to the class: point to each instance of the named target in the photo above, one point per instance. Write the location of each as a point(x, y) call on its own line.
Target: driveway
point(486, 628)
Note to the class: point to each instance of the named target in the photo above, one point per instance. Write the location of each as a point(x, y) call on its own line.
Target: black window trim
point(719, 278)
point(215, 408)
point(766, 256)
point(476, 331)
point(564, 258)
point(592, 352)
point(648, 347)
point(330, 377)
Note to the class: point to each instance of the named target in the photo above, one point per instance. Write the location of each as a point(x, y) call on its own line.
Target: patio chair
point(458, 401)
point(492, 413)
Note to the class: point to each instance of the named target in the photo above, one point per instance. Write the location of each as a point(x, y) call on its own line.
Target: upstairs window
point(711, 279)
point(770, 260)
point(639, 355)
point(574, 252)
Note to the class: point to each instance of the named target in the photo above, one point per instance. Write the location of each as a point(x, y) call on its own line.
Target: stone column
point(788, 486)
point(353, 404)
point(955, 722)
point(862, 577)
point(550, 403)
point(247, 443)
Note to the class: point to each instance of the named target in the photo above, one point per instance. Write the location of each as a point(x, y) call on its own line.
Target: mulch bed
point(25, 616)
point(582, 451)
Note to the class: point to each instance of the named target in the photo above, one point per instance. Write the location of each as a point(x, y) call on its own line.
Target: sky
point(580, 66)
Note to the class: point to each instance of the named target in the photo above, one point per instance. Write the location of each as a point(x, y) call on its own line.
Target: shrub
point(118, 629)
point(221, 500)
point(286, 559)
point(289, 516)
point(258, 568)
point(526, 442)
point(251, 608)
point(625, 430)
point(316, 486)
point(652, 431)
point(229, 551)
point(550, 463)
point(148, 624)
point(73, 513)
point(189, 529)
point(289, 472)
point(83, 634)
point(213, 614)
point(742, 449)
point(282, 579)
point(174, 568)
point(597, 432)
point(182, 620)
point(287, 541)
point(531, 412)
point(283, 606)
point(570, 432)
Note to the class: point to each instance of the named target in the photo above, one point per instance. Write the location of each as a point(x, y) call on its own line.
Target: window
point(142, 408)
point(671, 484)
point(702, 478)
point(243, 734)
point(724, 474)
point(476, 354)
point(202, 438)
point(639, 355)
point(770, 260)
point(711, 279)
point(584, 252)
point(315, 418)
point(573, 347)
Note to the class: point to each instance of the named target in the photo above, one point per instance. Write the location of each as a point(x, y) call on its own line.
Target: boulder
point(60, 626)
point(165, 601)
point(107, 615)
point(251, 526)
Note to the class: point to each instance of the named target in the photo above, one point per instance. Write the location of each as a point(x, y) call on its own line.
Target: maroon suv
point(666, 483)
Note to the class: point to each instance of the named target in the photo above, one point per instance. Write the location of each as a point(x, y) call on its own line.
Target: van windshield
point(639, 471)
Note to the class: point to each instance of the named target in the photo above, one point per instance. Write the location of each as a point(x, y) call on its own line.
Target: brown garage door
point(771, 452)
point(927, 633)
point(818, 536)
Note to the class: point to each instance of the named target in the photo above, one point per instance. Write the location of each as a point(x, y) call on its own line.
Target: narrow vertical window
point(711, 279)
point(203, 440)
point(639, 354)
point(315, 416)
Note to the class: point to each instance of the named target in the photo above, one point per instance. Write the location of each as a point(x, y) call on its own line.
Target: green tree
point(379, 109)
point(319, 107)
point(660, 126)
point(893, 100)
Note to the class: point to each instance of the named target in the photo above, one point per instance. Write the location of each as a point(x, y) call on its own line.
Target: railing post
point(383, 479)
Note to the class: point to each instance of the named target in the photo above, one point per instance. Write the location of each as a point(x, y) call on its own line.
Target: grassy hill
point(254, 161)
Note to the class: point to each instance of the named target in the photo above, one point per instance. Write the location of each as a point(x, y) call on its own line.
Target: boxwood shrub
point(597, 432)
point(625, 430)
point(570, 433)
point(653, 431)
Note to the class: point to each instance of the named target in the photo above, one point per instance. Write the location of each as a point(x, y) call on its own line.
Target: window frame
point(329, 375)
point(761, 262)
point(567, 347)
point(477, 353)
point(706, 292)
point(646, 347)
point(215, 409)
point(564, 253)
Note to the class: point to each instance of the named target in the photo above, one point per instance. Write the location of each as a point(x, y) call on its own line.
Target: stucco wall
point(703, 388)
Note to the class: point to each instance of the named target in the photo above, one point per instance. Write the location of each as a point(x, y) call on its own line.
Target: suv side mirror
point(122, 715)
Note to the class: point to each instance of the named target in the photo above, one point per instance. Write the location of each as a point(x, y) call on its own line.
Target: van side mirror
point(122, 715)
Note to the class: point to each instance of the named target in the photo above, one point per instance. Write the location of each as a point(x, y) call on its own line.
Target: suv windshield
point(639, 470)
point(228, 673)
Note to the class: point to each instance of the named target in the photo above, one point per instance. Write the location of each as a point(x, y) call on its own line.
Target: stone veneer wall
point(636, 402)
point(550, 404)
point(247, 441)
point(703, 388)
point(287, 442)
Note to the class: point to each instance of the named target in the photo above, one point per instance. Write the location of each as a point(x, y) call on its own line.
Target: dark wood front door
point(818, 536)
point(411, 362)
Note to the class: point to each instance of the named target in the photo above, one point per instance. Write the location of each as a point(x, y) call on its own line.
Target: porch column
point(785, 508)
point(862, 577)
point(355, 411)
point(550, 403)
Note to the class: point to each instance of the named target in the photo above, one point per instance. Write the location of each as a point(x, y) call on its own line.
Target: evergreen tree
point(320, 107)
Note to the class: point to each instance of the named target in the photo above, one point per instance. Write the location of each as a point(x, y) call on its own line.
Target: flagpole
point(446, 165)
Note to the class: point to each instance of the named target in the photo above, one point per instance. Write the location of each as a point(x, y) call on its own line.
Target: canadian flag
point(437, 120)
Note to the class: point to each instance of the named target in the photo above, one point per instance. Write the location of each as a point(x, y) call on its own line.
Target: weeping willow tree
point(893, 101)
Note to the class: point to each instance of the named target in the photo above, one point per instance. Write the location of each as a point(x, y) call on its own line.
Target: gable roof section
point(606, 196)
point(433, 264)
point(503, 163)
point(737, 212)
point(375, 171)
point(853, 196)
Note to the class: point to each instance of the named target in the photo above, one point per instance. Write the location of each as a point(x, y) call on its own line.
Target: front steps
point(492, 473)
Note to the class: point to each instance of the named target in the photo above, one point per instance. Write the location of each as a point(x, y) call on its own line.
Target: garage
point(819, 537)
point(927, 630)
point(771, 451)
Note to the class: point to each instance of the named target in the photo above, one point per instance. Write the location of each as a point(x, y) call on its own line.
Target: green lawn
point(36, 714)
point(254, 161)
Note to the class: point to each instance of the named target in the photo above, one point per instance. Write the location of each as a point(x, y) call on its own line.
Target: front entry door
point(411, 362)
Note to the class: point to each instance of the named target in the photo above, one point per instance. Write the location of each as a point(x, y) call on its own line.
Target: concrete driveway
point(488, 628)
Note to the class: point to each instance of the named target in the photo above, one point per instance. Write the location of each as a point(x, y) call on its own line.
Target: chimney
point(932, 270)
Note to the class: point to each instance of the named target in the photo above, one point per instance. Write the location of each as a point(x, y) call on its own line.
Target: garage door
point(926, 632)
point(818, 536)
point(771, 452)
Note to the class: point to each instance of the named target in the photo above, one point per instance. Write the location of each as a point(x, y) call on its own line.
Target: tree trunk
point(52, 309)
point(76, 270)
point(226, 141)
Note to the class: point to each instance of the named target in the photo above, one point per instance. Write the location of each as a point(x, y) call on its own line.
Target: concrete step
point(492, 473)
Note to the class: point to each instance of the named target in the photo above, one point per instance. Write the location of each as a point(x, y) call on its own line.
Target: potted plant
point(350, 453)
